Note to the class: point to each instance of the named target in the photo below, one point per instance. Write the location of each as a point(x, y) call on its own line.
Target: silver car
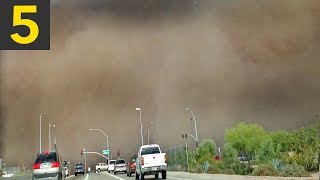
point(48, 165)
point(120, 166)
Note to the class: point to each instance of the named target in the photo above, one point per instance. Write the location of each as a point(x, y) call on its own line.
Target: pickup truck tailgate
point(154, 160)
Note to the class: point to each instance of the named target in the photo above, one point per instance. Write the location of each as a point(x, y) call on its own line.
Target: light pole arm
point(195, 124)
point(193, 137)
point(95, 153)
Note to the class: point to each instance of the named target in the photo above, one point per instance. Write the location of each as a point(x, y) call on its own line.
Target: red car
point(131, 166)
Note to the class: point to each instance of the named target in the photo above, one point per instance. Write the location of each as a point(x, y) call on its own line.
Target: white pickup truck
point(101, 167)
point(151, 161)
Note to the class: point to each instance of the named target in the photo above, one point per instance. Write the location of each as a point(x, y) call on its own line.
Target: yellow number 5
point(17, 21)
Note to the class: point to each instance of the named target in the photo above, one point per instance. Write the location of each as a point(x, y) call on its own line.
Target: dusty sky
point(255, 61)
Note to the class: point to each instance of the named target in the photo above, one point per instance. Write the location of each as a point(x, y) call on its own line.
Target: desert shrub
point(267, 151)
point(229, 156)
point(294, 170)
point(242, 169)
point(207, 150)
point(265, 170)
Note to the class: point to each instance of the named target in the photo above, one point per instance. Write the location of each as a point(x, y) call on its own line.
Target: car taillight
point(142, 161)
point(36, 166)
point(55, 164)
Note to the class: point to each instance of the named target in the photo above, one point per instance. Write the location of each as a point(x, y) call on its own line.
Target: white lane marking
point(178, 178)
point(114, 176)
point(69, 176)
point(86, 178)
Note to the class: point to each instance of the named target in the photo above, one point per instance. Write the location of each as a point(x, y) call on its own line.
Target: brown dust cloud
point(255, 61)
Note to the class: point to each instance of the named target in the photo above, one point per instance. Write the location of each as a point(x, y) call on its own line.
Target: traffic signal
point(81, 152)
point(197, 144)
point(118, 152)
point(55, 146)
point(184, 136)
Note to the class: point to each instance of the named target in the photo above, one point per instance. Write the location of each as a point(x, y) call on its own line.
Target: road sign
point(106, 151)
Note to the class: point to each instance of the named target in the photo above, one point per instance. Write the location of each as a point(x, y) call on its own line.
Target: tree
point(283, 138)
point(306, 145)
point(229, 156)
point(245, 137)
point(267, 151)
point(206, 151)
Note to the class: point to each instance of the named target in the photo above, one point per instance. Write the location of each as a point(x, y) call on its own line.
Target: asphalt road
point(170, 176)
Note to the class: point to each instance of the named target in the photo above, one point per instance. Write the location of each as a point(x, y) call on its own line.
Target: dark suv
point(48, 165)
point(131, 166)
point(79, 169)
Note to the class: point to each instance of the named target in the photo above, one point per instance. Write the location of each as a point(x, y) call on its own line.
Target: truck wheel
point(137, 176)
point(114, 172)
point(156, 176)
point(164, 174)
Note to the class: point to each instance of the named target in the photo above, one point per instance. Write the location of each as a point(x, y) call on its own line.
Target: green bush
point(294, 170)
point(206, 152)
point(265, 170)
point(267, 151)
point(229, 156)
point(242, 169)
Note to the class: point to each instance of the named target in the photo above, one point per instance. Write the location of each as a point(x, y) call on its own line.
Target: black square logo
point(24, 24)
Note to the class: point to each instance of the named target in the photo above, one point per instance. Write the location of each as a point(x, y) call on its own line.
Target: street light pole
point(195, 124)
point(40, 132)
point(139, 109)
point(53, 125)
point(107, 140)
point(68, 168)
point(85, 161)
point(148, 138)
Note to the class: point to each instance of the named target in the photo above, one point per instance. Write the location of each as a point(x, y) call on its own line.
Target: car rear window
point(112, 162)
point(121, 161)
point(42, 158)
point(79, 166)
point(150, 150)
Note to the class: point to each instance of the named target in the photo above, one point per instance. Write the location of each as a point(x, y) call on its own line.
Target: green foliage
point(229, 156)
point(306, 146)
point(206, 152)
point(294, 170)
point(245, 137)
point(229, 171)
point(242, 169)
point(282, 138)
point(265, 170)
point(267, 151)
point(214, 170)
